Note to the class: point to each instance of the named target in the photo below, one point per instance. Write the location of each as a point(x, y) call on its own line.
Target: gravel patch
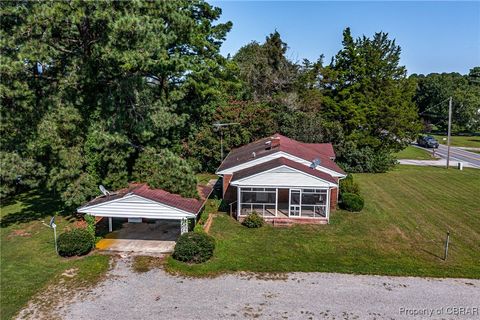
point(158, 295)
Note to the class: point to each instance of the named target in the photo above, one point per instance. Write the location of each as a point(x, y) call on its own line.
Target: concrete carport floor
point(150, 236)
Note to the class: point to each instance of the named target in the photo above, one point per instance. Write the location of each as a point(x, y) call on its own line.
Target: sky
point(434, 36)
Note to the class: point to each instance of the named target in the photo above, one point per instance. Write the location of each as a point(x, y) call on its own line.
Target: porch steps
point(279, 222)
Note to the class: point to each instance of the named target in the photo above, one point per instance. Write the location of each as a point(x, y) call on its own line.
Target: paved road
point(458, 155)
point(157, 295)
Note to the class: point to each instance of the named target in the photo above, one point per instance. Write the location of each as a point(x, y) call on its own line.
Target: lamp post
point(54, 227)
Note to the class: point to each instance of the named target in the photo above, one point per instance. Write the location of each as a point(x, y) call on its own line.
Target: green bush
point(352, 202)
point(194, 247)
point(348, 185)
point(253, 220)
point(367, 159)
point(75, 242)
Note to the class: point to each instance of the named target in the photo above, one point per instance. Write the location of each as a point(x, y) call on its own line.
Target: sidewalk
point(436, 163)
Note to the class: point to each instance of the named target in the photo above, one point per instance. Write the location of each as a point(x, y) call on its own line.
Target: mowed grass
point(204, 178)
point(460, 141)
point(401, 231)
point(414, 153)
point(28, 259)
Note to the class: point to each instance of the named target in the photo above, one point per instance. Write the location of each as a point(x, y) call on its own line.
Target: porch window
point(261, 200)
point(309, 203)
point(314, 203)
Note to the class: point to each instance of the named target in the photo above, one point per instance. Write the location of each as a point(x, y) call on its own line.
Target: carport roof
point(158, 195)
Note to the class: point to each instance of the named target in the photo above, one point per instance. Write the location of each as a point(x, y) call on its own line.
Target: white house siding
point(134, 206)
point(283, 177)
point(277, 155)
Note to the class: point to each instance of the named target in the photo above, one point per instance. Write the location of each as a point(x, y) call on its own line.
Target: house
point(138, 203)
point(282, 179)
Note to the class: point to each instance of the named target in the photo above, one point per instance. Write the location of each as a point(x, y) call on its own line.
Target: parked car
point(427, 142)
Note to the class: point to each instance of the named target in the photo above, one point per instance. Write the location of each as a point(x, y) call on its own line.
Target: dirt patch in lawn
point(19, 233)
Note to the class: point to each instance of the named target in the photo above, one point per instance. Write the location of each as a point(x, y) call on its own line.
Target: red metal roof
point(282, 162)
point(305, 151)
point(158, 195)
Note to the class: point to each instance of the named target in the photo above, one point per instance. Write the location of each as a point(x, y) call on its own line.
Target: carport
point(152, 236)
point(152, 219)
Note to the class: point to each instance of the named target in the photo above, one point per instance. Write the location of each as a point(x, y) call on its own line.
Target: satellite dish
point(103, 190)
point(315, 163)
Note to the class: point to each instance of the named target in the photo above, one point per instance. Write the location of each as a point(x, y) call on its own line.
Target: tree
point(265, 69)
point(98, 82)
point(165, 170)
point(368, 92)
point(18, 173)
point(254, 120)
point(435, 89)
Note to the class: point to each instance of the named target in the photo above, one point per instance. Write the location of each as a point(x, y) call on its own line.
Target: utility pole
point(449, 130)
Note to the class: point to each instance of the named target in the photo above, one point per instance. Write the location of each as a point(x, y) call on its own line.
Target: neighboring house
point(139, 202)
point(282, 179)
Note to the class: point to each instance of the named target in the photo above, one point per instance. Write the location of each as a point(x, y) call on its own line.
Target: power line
point(427, 110)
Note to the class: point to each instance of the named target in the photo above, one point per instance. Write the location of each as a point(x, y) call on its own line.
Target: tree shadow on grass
point(33, 206)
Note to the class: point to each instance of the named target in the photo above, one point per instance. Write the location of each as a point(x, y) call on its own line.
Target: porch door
point(295, 203)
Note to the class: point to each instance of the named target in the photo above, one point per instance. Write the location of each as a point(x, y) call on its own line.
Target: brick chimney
point(275, 143)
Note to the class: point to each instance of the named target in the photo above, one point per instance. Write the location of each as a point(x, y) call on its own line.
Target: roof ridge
point(283, 161)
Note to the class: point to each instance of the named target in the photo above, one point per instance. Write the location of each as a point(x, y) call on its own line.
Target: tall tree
point(265, 68)
point(369, 93)
point(105, 80)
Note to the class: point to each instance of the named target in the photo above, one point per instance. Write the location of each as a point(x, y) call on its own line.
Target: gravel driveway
point(157, 295)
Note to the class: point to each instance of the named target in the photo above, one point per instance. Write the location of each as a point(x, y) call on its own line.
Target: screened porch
point(283, 202)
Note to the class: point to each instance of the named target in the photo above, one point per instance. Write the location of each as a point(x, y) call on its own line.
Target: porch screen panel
point(261, 200)
point(314, 203)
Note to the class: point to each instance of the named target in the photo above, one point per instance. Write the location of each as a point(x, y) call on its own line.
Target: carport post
point(110, 224)
point(183, 225)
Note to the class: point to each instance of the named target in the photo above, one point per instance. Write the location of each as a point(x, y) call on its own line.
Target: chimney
point(275, 142)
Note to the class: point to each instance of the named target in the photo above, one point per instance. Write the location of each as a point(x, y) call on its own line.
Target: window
point(308, 203)
point(261, 200)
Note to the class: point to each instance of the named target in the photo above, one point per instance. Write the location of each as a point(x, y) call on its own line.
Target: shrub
point(352, 202)
point(76, 242)
point(367, 160)
point(253, 220)
point(194, 247)
point(348, 185)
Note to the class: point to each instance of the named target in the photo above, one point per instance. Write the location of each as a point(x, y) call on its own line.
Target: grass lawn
point(28, 259)
point(460, 141)
point(204, 178)
point(414, 153)
point(401, 231)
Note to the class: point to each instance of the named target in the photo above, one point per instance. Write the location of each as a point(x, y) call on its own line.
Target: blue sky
point(434, 36)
